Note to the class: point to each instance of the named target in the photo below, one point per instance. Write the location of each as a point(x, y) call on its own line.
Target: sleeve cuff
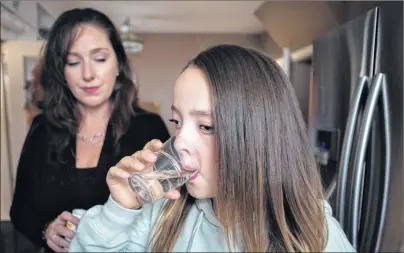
point(114, 215)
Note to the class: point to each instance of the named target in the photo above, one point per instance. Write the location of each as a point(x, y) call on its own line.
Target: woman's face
point(192, 113)
point(91, 67)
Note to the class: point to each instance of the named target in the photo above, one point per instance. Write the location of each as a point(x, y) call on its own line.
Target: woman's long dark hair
point(265, 159)
point(61, 105)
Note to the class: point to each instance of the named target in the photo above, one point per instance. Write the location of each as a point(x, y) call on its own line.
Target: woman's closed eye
point(100, 59)
point(77, 62)
point(72, 63)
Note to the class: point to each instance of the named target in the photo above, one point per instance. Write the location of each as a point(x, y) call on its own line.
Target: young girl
point(258, 188)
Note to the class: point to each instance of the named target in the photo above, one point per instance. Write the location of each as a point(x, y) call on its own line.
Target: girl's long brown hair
point(258, 121)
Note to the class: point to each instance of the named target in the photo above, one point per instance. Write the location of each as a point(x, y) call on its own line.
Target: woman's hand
point(117, 177)
point(57, 232)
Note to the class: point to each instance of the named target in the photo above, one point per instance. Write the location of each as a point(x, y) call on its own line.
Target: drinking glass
point(173, 168)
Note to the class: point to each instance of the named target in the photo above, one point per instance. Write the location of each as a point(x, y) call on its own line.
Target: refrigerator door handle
point(387, 165)
point(378, 85)
point(346, 150)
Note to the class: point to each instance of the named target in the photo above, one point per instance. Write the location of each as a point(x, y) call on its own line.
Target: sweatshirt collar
point(205, 206)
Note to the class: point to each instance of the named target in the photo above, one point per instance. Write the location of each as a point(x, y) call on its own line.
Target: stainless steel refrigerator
point(358, 101)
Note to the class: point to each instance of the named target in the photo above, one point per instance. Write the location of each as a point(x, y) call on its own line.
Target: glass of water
point(173, 168)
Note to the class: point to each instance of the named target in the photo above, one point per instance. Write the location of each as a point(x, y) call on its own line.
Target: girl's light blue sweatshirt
point(112, 228)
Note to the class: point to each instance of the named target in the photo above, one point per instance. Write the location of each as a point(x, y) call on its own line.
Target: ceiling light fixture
point(130, 40)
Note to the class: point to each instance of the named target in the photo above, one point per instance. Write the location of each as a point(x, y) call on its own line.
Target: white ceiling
point(174, 16)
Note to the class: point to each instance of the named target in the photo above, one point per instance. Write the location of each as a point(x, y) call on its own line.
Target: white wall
point(13, 87)
point(5, 166)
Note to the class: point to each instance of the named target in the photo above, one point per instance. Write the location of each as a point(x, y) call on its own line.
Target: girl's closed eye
point(207, 129)
point(177, 123)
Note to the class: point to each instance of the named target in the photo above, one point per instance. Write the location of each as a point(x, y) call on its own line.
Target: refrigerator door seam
point(346, 150)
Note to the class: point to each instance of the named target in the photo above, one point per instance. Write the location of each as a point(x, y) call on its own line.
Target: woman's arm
point(112, 228)
point(22, 212)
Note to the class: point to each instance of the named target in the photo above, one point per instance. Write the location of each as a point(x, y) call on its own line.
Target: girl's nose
point(189, 154)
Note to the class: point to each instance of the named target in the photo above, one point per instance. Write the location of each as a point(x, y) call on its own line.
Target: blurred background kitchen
point(345, 61)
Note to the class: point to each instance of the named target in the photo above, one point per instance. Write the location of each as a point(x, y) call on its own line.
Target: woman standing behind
point(91, 121)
